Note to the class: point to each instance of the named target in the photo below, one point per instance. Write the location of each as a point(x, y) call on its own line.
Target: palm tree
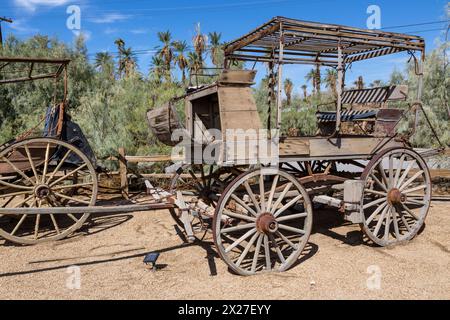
point(305, 93)
point(166, 51)
point(318, 78)
point(331, 80)
point(104, 63)
point(216, 48)
point(180, 59)
point(194, 62)
point(359, 83)
point(129, 61)
point(199, 41)
point(120, 47)
point(288, 85)
point(311, 76)
point(376, 83)
point(157, 68)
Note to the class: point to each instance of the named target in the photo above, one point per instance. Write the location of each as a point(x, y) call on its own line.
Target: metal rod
point(340, 70)
point(280, 78)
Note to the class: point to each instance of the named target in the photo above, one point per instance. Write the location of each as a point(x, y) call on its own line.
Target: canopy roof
point(20, 69)
point(316, 43)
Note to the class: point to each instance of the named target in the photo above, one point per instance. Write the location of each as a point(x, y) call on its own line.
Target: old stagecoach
point(260, 210)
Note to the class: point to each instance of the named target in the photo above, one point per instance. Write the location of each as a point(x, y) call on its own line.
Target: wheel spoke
point(238, 227)
point(277, 249)
point(247, 249)
point(71, 198)
point(281, 197)
point(272, 192)
point(380, 221)
point(68, 186)
point(292, 229)
point(47, 153)
point(36, 226)
point(71, 216)
point(387, 224)
point(287, 205)
point(267, 253)
point(256, 254)
point(399, 170)
point(61, 162)
point(244, 205)
point(379, 193)
point(238, 216)
point(421, 187)
point(410, 212)
point(17, 205)
point(238, 241)
point(54, 223)
point(395, 222)
point(375, 213)
point(18, 170)
point(68, 175)
point(372, 203)
point(15, 186)
point(292, 216)
point(383, 174)
point(405, 173)
point(261, 193)
point(30, 160)
point(410, 180)
point(18, 224)
point(252, 196)
point(378, 182)
point(391, 171)
point(405, 223)
point(289, 242)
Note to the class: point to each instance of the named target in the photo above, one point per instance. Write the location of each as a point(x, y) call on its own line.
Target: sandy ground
point(337, 265)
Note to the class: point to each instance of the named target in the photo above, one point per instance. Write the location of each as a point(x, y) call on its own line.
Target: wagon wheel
point(204, 183)
point(268, 218)
point(44, 172)
point(306, 168)
point(396, 196)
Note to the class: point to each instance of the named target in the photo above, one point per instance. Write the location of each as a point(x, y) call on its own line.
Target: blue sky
point(137, 21)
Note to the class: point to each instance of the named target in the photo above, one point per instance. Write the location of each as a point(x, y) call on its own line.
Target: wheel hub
point(395, 196)
point(266, 223)
point(42, 191)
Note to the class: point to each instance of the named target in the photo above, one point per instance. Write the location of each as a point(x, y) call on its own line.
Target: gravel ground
point(337, 265)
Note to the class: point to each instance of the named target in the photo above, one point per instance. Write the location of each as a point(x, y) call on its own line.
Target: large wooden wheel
point(396, 196)
point(268, 219)
point(39, 173)
point(204, 184)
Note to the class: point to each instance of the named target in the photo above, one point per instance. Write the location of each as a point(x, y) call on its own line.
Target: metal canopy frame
point(29, 72)
point(290, 41)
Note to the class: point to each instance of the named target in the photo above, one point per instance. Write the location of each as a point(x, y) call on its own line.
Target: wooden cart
point(48, 178)
point(260, 205)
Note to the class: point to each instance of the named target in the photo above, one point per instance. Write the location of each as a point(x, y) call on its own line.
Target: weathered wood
point(93, 209)
point(123, 173)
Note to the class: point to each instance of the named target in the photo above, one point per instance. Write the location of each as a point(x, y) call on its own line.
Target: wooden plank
point(295, 146)
point(347, 146)
point(123, 173)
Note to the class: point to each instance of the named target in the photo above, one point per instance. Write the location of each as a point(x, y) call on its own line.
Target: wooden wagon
point(259, 199)
point(255, 188)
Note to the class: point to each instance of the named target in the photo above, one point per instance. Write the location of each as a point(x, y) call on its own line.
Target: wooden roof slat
point(311, 38)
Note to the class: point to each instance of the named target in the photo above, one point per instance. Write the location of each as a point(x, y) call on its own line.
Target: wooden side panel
point(238, 109)
point(322, 147)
